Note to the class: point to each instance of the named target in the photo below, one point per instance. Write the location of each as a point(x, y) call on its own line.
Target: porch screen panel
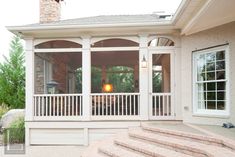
point(161, 85)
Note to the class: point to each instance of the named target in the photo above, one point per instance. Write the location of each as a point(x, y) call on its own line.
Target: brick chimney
point(49, 11)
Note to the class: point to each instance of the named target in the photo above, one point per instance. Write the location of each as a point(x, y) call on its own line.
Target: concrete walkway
point(219, 130)
point(48, 151)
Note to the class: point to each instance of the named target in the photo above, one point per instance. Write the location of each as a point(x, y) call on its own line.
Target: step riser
point(180, 148)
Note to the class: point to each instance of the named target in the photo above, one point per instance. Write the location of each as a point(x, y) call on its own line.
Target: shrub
point(12, 76)
point(16, 130)
point(3, 109)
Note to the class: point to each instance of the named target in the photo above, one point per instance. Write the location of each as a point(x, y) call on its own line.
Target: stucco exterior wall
point(216, 36)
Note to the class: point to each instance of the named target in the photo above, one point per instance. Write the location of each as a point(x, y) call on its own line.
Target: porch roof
point(190, 17)
point(106, 19)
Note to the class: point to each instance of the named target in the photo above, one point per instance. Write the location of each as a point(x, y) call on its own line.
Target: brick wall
point(39, 75)
point(59, 71)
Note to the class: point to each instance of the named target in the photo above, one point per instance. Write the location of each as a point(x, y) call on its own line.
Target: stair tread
point(182, 133)
point(215, 151)
point(148, 148)
point(112, 150)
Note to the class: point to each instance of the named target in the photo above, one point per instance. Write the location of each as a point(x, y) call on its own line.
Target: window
point(47, 74)
point(211, 81)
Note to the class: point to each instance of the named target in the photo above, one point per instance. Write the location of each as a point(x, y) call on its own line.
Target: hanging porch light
point(107, 87)
point(144, 62)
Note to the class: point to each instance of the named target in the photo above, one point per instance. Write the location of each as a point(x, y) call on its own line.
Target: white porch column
point(86, 77)
point(29, 55)
point(143, 78)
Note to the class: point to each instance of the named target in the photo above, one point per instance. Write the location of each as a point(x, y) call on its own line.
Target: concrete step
point(115, 151)
point(147, 149)
point(185, 146)
point(185, 135)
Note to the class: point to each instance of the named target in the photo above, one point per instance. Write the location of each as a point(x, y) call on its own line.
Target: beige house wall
point(215, 36)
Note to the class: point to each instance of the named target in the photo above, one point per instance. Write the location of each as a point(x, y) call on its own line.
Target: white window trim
point(212, 113)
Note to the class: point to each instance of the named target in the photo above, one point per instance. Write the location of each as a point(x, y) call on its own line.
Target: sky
point(21, 12)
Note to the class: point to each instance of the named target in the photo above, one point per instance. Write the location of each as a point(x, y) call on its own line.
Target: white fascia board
point(57, 27)
point(180, 10)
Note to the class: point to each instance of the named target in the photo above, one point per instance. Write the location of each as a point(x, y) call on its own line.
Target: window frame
point(211, 112)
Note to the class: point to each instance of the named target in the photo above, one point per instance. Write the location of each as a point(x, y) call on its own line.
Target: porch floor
point(172, 125)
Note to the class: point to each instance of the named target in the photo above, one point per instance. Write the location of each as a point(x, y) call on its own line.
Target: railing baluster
point(49, 108)
point(34, 106)
point(138, 105)
point(159, 105)
point(102, 105)
point(98, 105)
point(73, 105)
point(171, 107)
point(69, 106)
point(94, 107)
point(114, 105)
point(46, 105)
point(126, 105)
point(167, 110)
point(53, 110)
point(81, 107)
point(56, 106)
point(76, 105)
point(130, 104)
point(65, 104)
point(38, 106)
point(118, 109)
point(110, 105)
point(155, 105)
point(163, 104)
point(134, 96)
point(106, 105)
point(61, 104)
point(122, 105)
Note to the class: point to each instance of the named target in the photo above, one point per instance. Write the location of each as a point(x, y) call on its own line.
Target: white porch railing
point(161, 106)
point(57, 106)
point(104, 106)
point(115, 106)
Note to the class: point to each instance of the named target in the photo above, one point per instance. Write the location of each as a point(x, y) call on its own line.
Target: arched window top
point(161, 41)
point(58, 44)
point(115, 42)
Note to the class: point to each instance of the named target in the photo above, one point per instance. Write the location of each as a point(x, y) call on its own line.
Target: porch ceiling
point(213, 13)
point(115, 58)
